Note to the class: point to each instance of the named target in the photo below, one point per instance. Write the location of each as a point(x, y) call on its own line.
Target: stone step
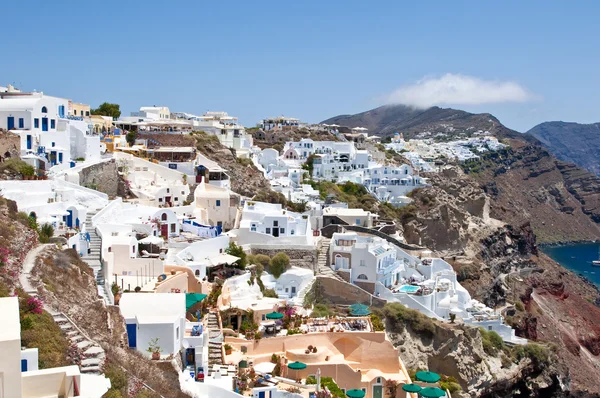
point(77, 338)
point(66, 326)
point(93, 351)
point(71, 333)
point(91, 362)
point(91, 369)
point(82, 345)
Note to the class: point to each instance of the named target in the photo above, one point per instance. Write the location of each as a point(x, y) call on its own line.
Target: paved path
point(28, 265)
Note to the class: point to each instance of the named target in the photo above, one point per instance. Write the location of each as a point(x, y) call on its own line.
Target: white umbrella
point(152, 240)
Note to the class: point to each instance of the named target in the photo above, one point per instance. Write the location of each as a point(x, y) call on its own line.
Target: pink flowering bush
point(33, 305)
point(3, 256)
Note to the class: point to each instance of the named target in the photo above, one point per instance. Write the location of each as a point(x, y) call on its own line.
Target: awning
point(223, 258)
point(193, 298)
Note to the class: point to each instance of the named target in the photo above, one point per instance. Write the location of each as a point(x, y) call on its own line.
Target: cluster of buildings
point(427, 154)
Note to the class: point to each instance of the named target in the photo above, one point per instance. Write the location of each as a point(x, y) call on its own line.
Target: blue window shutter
point(21, 122)
point(218, 202)
point(36, 123)
point(52, 123)
point(23, 365)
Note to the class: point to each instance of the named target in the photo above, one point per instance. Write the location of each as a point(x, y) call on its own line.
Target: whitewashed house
point(215, 206)
point(227, 129)
point(270, 224)
point(154, 316)
point(202, 255)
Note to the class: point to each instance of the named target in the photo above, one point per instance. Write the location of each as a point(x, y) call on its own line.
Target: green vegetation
point(17, 166)
point(118, 381)
point(399, 316)
point(279, 264)
point(333, 388)
point(449, 383)
point(538, 354)
point(244, 161)
point(46, 232)
point(80, 159)
point(377, 323)
point(492, 342)
point(38, 330)
point(355, 195)
point(486, 161)
point(237, 251)
point(108, 109)
point(130, 137)
point(519, 306)
point(308, 165)
point(311, 380)
point(320, 311)
point(270, 293)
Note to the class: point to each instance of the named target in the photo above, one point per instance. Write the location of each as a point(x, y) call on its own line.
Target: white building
point(270, 224)
point(425, 284)
point(280, 123)
point(291, 285)
point(154, 316)
point(202, 255)
point(153, 113)
point(215, 206)
point(46, 129)
point(230, 133)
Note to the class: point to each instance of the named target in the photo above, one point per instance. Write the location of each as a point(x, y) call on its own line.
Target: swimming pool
point(408, 289)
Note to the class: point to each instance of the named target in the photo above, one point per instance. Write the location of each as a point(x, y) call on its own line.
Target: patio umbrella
point(355, 393)
point(296, 365)
point(411, 388)
point(428, 377)
point(432, 392)
point(274, 315)
point(360, 312)
point(357, 306)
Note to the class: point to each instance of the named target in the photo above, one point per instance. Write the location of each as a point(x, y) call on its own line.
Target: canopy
point(360, 312)
point(264, 367)
point(355, 393)
point(297, 365)
point(428, 377)
point(357, 306)
point(432, 392)
point(274, 315)
point(193, 298)
point(223, 258)
point(412, 388)
point(151, 240)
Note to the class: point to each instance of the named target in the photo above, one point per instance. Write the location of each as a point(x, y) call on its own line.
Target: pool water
point(408, 289)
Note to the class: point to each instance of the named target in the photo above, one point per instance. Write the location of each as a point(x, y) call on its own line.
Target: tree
point(237, 251)
point(108, 109)
point(279, 264)
point(130, 137)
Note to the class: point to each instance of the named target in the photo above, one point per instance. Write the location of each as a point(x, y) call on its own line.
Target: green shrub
point(377, 323)
point(333, 388)
point(117, 376)
point(491, 341)
point(311, 380)
point(41, 332)
point(270, 293)
point(538, 354)
point(320, 311)
point(449, 383)
point(47, 229)
point(519, 306)
point(237, 251)
point(279, 264)
point(399, 316)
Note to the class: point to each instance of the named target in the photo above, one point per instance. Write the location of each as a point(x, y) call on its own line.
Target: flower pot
point(228, 352)
point(155, 356)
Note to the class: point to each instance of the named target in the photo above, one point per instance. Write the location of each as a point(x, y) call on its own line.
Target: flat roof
point(135, 305)
point(11, 326)
point(188, 149)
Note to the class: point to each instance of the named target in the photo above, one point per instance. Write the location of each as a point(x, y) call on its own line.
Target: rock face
point(571, 142)
point(457, 351)
point(102, 177)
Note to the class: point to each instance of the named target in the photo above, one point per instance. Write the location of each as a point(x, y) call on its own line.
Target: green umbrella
point(357, 306)
point(243, 364)
point(428, 377)
point(360, 312)
point(412, 388)
point(432, 392)
point(274, 315)
point(355, 393)
point(297, 365)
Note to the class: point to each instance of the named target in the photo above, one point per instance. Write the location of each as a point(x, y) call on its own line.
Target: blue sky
point(311, 59)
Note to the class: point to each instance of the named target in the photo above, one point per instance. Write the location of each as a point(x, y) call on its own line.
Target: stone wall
point(298, 258)
point(335, 291)
point(10, 145)
point(101, 177)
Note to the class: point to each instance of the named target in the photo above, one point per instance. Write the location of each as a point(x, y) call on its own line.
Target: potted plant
point(228, 349)
point(154, 348)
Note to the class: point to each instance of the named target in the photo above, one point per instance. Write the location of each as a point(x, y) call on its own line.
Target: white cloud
point(455, 89)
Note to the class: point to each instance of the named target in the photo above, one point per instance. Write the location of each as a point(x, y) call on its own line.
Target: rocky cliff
point(571, 142)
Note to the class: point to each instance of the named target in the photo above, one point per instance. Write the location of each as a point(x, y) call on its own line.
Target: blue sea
point(577, 258)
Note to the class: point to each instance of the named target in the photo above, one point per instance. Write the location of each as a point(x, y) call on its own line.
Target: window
point(286, 290)
point(362, 277)
point(133, 249)
point(52, 123)
point(220, 224)
point(44, 109)
point(358, 221)
point(282, 230)
point(275, 223)
point(253, 228)
point(87, 113)
point(176, 199)
point(177, 333)
point(293, 289)
point(221, 250)
point(172, 228)
point(36, 123)
point(264, 317)
point(163, 217)
point(379, 380)
point(197, 273)
point(159, 200)
point(362, 263)
point(218, 203)
point(268, 230)
point(292, 232)
point(21, 122)
point(168, 190)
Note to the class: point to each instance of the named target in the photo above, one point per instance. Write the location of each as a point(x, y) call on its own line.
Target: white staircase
point(93, 258)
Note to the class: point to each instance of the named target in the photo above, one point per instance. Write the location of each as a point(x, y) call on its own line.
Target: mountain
point(389, 119)
point(571, 142)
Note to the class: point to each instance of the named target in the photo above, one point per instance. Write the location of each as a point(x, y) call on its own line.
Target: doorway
point(164, 230)
point(377, 391)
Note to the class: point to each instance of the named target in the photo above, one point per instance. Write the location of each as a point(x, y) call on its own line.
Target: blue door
point(70, 219)
point(28, 142)
point(132, 334)
point(44, 124)
point(10, 121)
point(60, 157)
point(23, 365)
point(77, 222)
point(261, 394)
